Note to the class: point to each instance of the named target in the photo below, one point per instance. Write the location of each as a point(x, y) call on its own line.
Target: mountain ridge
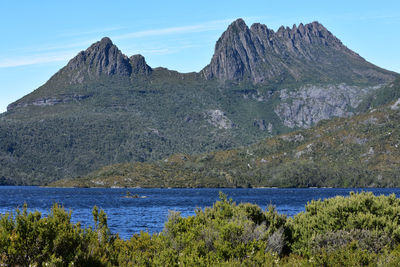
point(258, 53)
point(241, 54)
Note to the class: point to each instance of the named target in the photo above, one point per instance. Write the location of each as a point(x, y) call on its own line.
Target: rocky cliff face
point(311, 104)
point(49, 101)
point(304, 52)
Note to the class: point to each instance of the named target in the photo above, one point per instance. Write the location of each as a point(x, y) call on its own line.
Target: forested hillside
point(361, 151)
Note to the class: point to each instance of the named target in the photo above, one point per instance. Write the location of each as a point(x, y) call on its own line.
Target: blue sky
point(39, 37)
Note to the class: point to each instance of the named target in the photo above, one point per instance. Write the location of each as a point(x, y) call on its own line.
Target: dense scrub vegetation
point(361, 229)
point(360, 151)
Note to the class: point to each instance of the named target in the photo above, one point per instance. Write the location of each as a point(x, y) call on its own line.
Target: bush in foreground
point(373, 222)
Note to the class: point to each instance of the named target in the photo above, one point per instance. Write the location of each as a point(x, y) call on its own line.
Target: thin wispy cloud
point(48, 48)
point(89, 32)
point(202, 27)
point(378, 17)
point(161, 51)
point(35, 59)
point(59, 47)
point(366, 17)
point(149, 51)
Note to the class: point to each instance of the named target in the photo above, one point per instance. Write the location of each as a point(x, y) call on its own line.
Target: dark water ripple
point(128, 216)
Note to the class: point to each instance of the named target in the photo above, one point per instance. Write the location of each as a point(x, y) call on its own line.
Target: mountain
point(361, 151)
point(307, 53)
point(102, 60)
point(106, 108)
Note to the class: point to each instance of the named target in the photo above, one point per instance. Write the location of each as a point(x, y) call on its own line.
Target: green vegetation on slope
point(360, 151)
point(358, 230)
point(383, 96)
point(124, 121)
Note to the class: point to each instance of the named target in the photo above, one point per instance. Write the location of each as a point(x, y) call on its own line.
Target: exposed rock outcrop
point(310, 104)
point(396, 105)
point(48, 101)
point(139, 65)
point(219, 119)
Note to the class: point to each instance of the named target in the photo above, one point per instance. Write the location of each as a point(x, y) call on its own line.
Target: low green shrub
point(28, 238)
point(362, 217)
point(226, 231)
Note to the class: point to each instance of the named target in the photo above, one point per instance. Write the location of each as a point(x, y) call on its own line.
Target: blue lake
point(127, 216)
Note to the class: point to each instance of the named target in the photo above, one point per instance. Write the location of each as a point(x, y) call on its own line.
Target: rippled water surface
point(127, 215)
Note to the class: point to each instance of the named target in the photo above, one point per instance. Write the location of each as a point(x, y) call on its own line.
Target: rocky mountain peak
point(236, 31)
point(261, 30)
point(139, 65)
point(233, 53)
point(318, 30)
point(106, 41)
point(101, 58)
point(238, 24)
point(299, 53)
point(301, 28)
point(317, 26)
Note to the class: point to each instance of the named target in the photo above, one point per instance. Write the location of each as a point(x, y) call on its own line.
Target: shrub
point(225, 231)
point(27, 238)
point(362, 217)
point(372, 241)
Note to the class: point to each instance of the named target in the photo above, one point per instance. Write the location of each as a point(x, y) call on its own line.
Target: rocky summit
point(104, 107)
point(102, 57)
point(302, 53)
